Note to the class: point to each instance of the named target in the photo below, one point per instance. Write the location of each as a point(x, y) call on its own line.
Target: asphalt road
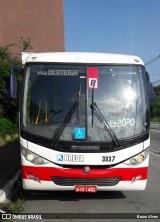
point(138, 202)
point(155, 139)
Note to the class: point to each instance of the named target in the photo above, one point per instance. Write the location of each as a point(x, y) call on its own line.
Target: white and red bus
point(84, 122)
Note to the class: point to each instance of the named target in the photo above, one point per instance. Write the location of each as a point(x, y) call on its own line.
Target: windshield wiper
point(66, 120)
point(64, 123)
point(101, 118)
point(79, 96)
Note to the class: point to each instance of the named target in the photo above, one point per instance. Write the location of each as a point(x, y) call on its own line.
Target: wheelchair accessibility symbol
point(79, 133)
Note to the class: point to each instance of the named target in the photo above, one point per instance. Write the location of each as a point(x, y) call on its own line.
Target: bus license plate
point(86, 188)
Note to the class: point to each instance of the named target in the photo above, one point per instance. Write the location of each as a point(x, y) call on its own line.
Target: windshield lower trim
point(66, 146)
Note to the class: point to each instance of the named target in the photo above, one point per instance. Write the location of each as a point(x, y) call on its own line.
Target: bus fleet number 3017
point(108, 158)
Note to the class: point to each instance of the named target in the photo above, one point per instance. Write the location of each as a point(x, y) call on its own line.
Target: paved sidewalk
point(155, 125)
point(9, 163)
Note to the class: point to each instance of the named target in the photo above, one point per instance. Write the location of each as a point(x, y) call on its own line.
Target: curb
point(155, 126)
point(5, 192)
point(154, 151)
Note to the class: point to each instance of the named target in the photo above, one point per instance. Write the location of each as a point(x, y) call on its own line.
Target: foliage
point(156, 119)
point(4, 52)
point(155, 105)
point(17, 205)
point(7, 127)
point(157, 90)
point(24, 44)
point(14, 140)
point(9, 108)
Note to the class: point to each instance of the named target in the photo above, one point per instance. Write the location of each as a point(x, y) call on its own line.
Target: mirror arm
point(15, 68)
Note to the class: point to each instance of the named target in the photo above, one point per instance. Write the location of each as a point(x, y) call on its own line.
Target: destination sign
point(57, 72)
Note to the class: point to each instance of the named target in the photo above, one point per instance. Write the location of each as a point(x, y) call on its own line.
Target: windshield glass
point(50, 91)
point(120, 94)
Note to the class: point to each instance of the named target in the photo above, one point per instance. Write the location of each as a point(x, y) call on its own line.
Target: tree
point(6, 61)
point(8, 109)
point(155, 105)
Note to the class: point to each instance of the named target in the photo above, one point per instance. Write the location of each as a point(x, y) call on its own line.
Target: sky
point(115, 26)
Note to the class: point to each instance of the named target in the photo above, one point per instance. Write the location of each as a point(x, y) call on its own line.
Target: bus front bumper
point(52, 178)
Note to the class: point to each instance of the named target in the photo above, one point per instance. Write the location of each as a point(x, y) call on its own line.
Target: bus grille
point(72, 181)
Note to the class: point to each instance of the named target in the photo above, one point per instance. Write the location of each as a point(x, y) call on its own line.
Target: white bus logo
point(93, 83)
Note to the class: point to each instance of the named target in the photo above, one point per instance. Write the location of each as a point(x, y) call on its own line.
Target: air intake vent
point(72, 181)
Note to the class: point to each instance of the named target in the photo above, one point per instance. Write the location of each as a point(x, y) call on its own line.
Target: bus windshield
point(119, 91)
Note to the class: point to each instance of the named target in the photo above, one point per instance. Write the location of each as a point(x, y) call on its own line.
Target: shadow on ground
point(72, 196)
point(9, 162)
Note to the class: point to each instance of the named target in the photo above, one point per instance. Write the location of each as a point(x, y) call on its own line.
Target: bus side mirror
point(151, 91)
point(11, 86)
point(11, 82)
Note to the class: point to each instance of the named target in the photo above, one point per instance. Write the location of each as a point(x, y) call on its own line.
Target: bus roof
point(80, 57)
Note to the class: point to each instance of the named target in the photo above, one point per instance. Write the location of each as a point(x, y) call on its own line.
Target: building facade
point(40, 20)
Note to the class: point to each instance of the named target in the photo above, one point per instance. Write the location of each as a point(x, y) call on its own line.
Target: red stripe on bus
point(45, 173)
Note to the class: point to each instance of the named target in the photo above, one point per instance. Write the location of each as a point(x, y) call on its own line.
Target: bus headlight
point(24, 152)
point(38, 161)
point(33, 158)
point(136, 160)
point(133, 161)
point(140, 158)
point(30, 157)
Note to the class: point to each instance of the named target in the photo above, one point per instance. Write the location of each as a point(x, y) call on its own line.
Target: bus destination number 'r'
point(108, 158)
